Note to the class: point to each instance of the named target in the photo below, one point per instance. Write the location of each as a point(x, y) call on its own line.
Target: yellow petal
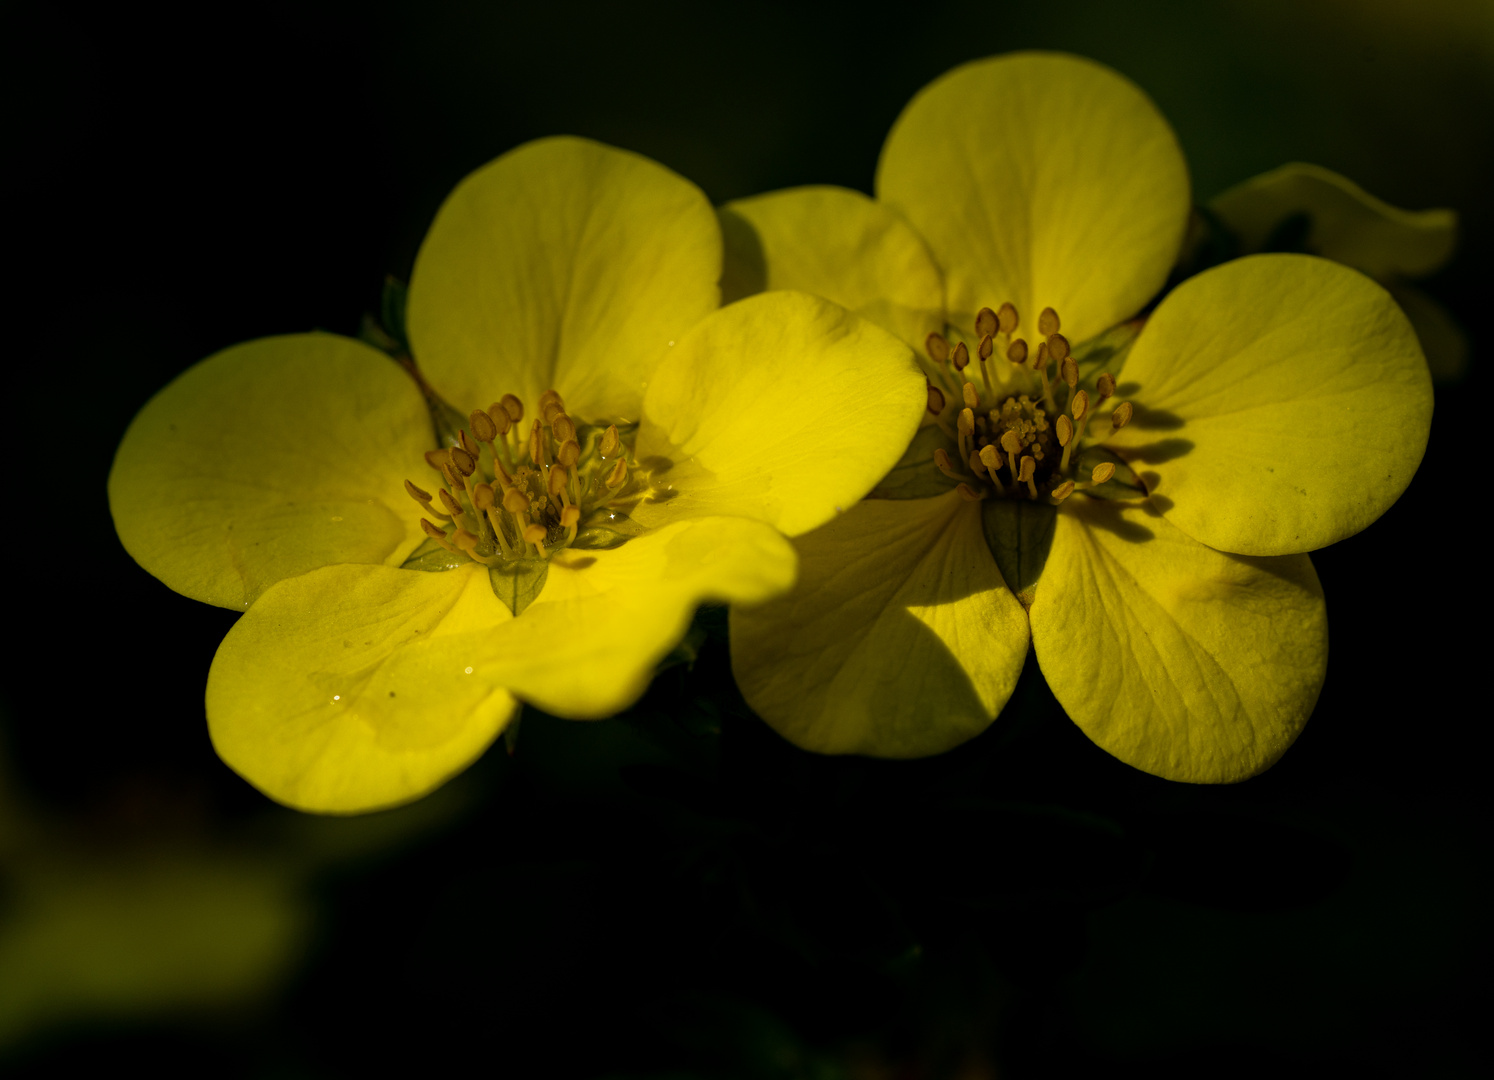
point(1184, 662)
point(1042, 180)
point(588, 646)
point(839, 244)
point(353, 688)
point(1346, 223)
point(1442, 339)
point(781, 407)
point(900, 640)
point(270, 459)
point(563, 264)
point(1282, 404)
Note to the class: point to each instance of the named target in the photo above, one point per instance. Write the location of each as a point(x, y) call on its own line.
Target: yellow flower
point(1313, 209)
point(1144, 527)
point(630, 452)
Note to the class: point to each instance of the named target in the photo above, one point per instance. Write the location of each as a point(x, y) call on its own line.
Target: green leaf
point(518, 582)
point(1123, 485)
point(916, 476)
point(1105, 352)
point(1019, 533)
point(432, 557)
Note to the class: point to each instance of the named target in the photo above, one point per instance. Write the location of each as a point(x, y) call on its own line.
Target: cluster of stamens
point(510, 494)
point(1014, 440)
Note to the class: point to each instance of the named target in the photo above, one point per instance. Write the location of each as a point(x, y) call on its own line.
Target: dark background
point(679, 892)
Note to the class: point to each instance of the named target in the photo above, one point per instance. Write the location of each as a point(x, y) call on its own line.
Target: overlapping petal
point(588, 646)
point(783, 408)
point(358, 687)
point(1283, 404)
point(1344, 222)
point(839, 244)
point(1044, 180)
point(1180, 660)
point(267, 460)
point(563, 264)
point(901, 640)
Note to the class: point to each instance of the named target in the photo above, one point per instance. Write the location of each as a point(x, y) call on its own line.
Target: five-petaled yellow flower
point(1144, 526)
point(629, 451)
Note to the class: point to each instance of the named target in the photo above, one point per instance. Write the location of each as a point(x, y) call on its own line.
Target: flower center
point(509, 492)
point(1014, 440)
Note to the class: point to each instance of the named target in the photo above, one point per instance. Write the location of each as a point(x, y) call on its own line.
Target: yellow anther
point(501, 474)
point(968, 493)
point(985, 322)
point(556, 483)
point(569, 453)
point(1016, 352)
point(618, 474)
point(513, 406)
point(482, 497)
point(967, 421)
point(942, 462)
point(537, 444)
point(611, 442)
point(1025, 469)
point(570, 516)
point(985, 348)
point(1105, 384)
point(563, 428)
point(1006, 319)
point(1040, 358)
point(936, 400)
point(960, 357)
point(1065, 428)
point(937, 347)
point(500, 417)
point(551, 397)
point(1011, 442)
point(1080, 405)
point(452, 477)
point(1069, 371)
point(433, 530)
point(464, 461)
point(465, 442)
point(990, 458)
point(1102, 472)
point(1048, 321)
point(550, 410)
point(418, 495)
point(483, 428)
point(972, 399)
point(449, 501)
point(1122, 415)
point(515, 501)
point(977, 466)
point(1063, 491)
point(465, 540)
point(1058, 346)
point(436, 458)
point(535, 534)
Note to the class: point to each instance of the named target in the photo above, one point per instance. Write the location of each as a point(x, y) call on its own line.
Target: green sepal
point(392, 311)
point(1123, 485)
point(1019, 533)
point(1105, 352)
point(606, 529)
point(432, 557)
point(518, 582)
point(915, 476)
point(686, 652)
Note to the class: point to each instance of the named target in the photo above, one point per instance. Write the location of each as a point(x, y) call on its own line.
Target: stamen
point(1048, 321)
point(1063, 491)
point(482, 497)
point(1105, 384)
point(936, 400)
point(942, 463)
point(972, 399)
point(1012, 444)
point(966, 429)
point(986, 323)
point(983, 350)
point(453, 507)
point(1102, 472)
point(610, 443)
point(1025, 476)
point(1006, 318)
point(1080, 405)
point(1017, 351)
point(1069, 372)
point(483, 428)
point(960, 357)
point(515, 501)
point(424, 499)
point(1121, 417)
point(937, 347)
point(466, 442)
point(463, 461)
point(1058, 347)
point(563, 428)
point(618, 476)
point(499, 415)
point(969, 494)
point(436, 458)
point(569, 453)
point(991, 459)
point(570, 516)
point(513, 406)
point(439, 536)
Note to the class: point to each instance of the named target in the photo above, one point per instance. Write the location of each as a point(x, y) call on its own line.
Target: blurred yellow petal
point(1343, 222)
point(1044, 180)
point(1282, 404)
point(839, 244)
point(563, 264)
point(1442, 339)
point(588, 646)
point(354, 688)
point(270, 459)
point(900, 640)
point(781, 407)
point(1186, 663)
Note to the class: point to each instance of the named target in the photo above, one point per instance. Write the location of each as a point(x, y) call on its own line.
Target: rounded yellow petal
point(354, 688)
point(565, 265)
point(781, 407)
point(1343, 222)
point(1042, 180)
point(839, 244)
point(270, 459)
point(900, 640)
point(587, 648)
point(1282, 404)
point(1187, 663)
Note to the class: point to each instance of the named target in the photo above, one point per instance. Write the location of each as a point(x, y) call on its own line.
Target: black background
point(679, 892)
